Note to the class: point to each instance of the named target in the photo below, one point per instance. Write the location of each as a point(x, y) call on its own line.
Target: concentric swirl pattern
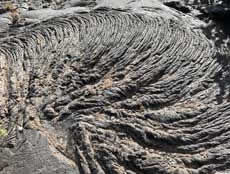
point(138, 93)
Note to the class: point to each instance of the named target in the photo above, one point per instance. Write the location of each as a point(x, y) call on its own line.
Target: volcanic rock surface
point(120, 87)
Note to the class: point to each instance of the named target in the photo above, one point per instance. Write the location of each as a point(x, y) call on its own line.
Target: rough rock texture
point(214, 13)
point(128, 87)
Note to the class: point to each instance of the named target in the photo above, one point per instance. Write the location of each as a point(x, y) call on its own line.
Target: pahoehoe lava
point(136, 93)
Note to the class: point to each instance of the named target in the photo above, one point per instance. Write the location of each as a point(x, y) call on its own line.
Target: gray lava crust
point(134, 90)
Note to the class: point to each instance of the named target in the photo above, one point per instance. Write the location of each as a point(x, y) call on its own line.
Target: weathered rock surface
point(124, 87)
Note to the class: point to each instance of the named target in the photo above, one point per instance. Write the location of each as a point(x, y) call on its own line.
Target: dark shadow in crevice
point(222, 78)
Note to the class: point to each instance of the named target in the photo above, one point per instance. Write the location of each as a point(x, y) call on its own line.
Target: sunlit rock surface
point(123, 87)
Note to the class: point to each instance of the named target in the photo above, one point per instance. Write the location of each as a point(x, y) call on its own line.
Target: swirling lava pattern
point(138, 93)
